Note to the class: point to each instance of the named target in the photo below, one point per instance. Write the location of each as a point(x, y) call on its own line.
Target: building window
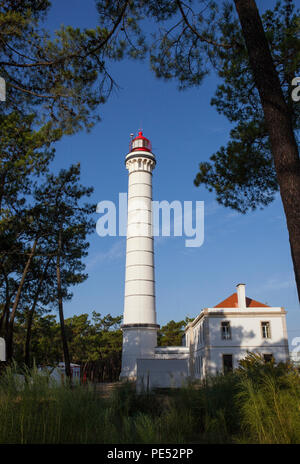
point(196, 336)
point(265, 330)
point(268, 358)
point(225, 330)
point(227, 363)
point(200, 334)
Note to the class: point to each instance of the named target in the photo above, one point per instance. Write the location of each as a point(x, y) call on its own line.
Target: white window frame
point(226, 334)
point(263, 327)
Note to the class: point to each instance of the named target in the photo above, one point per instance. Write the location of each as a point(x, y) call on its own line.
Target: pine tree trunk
point(5, 313)
point(61, 312)
point(9, 337)
point(31, 313)
point(279, 123)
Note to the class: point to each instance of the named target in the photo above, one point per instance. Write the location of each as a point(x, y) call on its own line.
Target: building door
point(227, 363)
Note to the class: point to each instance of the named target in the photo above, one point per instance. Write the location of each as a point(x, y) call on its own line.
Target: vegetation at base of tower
point(95, 343)
point(256, 57)
point(255, 404)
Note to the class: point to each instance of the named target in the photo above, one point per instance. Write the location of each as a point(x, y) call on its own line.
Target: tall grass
point(270, 408)
point(38, 410)
point(256, 404)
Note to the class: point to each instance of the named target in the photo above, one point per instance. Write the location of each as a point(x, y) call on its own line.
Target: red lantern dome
point(140, 143)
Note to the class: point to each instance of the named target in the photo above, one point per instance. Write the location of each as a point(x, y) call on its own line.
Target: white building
point(216, 340)
point(58, 373)
point(221, 336)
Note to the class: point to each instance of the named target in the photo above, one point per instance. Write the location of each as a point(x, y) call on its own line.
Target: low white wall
point(161, 373)
point(172, 352)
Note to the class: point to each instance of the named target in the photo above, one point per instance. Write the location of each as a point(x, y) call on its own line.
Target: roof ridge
point(232, 302)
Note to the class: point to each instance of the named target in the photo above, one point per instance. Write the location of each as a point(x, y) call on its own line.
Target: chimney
point(241, 296)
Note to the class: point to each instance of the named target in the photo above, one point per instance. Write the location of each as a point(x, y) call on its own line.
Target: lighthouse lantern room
point(140, 143)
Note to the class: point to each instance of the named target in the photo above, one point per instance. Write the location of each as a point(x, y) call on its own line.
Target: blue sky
point(184, 130)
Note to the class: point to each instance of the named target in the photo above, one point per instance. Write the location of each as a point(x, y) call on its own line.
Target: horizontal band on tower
point(132, 265)
point(140, 294)
point(139, 170)
point(135, 251)
point(138, 280)
point(140, 236)
point(136, 326)
point(139, 222)
point(139, 209)
point(140, 183)
point(139, 196)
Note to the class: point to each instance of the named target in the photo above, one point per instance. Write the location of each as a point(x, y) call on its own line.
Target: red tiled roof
point(232, 302)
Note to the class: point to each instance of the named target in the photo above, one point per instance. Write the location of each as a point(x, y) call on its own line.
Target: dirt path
point(106, 389)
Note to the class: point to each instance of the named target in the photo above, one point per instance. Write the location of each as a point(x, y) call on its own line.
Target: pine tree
point(61, 200)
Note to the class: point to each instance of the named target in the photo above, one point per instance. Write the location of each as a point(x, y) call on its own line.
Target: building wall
point(215, 364)
point(246, 330)
point(207, 347)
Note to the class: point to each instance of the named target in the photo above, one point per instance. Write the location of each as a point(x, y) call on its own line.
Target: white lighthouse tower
point(139, 319)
